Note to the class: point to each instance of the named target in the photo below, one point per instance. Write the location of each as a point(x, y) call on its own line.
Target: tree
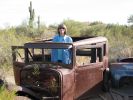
point(130, 19)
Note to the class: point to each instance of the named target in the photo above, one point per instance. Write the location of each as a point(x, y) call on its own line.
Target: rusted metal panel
point(17, 67)
point(68, 84)
point(90, 41)
point(48, 45)
point(87, 77)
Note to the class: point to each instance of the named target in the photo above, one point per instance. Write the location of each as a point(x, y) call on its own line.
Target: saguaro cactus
point(38, 22)
point(32, 15)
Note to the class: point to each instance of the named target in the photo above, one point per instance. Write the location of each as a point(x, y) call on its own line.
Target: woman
point(61, 55)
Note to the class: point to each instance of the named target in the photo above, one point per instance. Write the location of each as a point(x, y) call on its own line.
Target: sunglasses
point(61, 28)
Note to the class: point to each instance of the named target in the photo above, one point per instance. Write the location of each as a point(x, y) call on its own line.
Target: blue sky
point(14, 12)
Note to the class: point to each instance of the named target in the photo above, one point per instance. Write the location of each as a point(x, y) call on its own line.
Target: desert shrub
point(5, 94)
point(120, 46)
point(9, 38)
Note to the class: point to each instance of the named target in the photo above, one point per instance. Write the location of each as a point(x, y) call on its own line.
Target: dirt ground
point(123, 93)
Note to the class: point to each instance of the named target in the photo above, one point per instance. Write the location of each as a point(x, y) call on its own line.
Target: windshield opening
point(55, 56)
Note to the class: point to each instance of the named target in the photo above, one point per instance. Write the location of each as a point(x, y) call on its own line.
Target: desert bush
point(5, 94)
point(9, 38)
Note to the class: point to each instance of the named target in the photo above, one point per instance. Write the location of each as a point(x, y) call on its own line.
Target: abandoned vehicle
point(121, 72)
point(37, 76)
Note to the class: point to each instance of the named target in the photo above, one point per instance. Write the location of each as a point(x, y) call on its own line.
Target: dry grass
point(5, 94)
point(82, 60)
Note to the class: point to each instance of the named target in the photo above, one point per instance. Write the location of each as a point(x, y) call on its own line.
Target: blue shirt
point(61, 54)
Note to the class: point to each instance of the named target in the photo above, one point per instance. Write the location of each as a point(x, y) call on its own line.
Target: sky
point(15, 12)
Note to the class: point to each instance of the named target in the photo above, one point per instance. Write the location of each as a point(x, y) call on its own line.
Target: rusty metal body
point(43, 79)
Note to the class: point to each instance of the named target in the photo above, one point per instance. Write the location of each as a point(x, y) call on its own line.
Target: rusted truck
point(37, 77)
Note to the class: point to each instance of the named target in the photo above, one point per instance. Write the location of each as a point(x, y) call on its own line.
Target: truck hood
point(121, 66)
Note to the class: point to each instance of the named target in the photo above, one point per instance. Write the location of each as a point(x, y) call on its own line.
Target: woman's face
point(62, 31)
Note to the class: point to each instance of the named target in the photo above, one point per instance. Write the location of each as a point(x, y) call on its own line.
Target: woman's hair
point(62, 26)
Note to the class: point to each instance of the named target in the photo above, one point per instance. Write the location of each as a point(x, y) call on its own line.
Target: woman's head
point(62, 29)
